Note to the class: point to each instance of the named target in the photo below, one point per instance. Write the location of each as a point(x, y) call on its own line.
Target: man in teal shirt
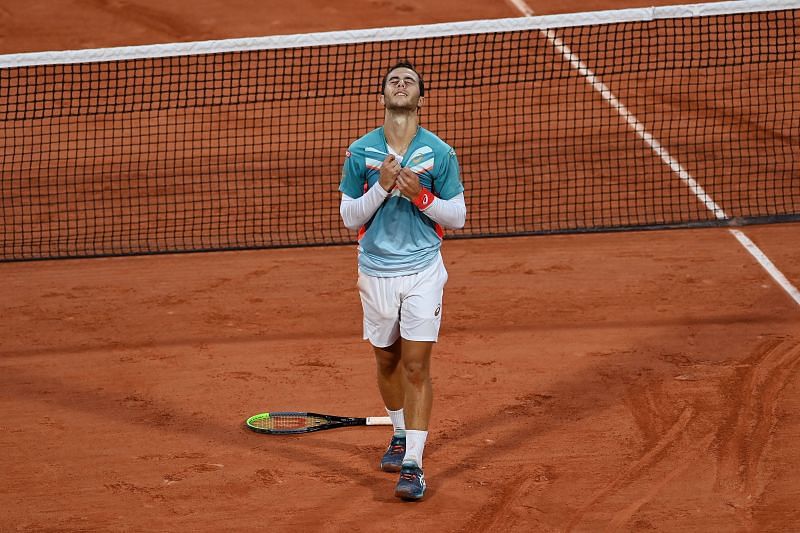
point(400, 188)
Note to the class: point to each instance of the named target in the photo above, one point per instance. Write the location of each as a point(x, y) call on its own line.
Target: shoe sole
point(389, 467)
point(408, 497)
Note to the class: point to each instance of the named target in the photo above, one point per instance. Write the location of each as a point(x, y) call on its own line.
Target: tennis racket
point(288, 423)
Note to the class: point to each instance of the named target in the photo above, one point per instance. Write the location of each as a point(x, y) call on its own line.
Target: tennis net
point(677, 116)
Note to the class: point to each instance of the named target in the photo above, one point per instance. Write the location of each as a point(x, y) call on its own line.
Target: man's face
point(402, 90)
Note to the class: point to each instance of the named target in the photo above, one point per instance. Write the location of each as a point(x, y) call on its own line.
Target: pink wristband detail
point(424, 199)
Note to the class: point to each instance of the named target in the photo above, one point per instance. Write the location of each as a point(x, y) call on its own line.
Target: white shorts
point(403, 306)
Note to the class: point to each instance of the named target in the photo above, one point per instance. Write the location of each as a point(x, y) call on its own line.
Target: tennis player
point(400, 187)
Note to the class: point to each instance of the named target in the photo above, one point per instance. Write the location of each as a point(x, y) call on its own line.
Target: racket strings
point(289, 422)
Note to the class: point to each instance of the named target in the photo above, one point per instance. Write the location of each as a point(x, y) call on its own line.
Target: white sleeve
point(451, 214)
point(357, 211)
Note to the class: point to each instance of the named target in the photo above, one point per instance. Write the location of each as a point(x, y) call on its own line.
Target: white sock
point(415, 445)
point(398, 421)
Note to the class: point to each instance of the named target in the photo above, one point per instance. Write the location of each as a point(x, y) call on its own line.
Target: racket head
point(292, 423)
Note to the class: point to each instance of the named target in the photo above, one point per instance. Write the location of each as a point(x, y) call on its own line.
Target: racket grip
point(379, 421)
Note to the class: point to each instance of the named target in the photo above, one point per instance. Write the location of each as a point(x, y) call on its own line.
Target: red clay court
point(612, 381)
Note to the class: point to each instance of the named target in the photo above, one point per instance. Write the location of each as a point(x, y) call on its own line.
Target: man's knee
point(417, 371)
point(387, 359)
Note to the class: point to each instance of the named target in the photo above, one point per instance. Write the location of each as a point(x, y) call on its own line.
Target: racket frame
point(332, 422)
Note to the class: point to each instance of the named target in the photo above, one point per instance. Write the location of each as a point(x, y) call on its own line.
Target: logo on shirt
point(438, 310)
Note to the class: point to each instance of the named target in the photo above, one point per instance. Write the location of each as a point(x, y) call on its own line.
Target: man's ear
point(382, 99)
point(420, 101)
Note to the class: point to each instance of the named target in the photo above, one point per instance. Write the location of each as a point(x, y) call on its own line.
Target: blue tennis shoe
point(393, 458)
point(411, 485)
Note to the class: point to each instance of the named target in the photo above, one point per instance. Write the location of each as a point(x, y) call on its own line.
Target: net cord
point(396, 33)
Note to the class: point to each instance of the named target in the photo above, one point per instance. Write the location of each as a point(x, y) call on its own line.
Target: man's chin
point(402, 107)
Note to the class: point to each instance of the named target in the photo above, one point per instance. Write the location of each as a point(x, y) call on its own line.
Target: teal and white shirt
point(399, 239)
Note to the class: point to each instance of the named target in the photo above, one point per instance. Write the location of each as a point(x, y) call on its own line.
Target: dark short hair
point(409, 66)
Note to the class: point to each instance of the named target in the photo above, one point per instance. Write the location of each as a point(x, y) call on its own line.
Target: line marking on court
point(768, 265)
point(523, 8)
point(661, 152)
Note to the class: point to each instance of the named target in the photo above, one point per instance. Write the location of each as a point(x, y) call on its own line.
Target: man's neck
point(400, 129)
